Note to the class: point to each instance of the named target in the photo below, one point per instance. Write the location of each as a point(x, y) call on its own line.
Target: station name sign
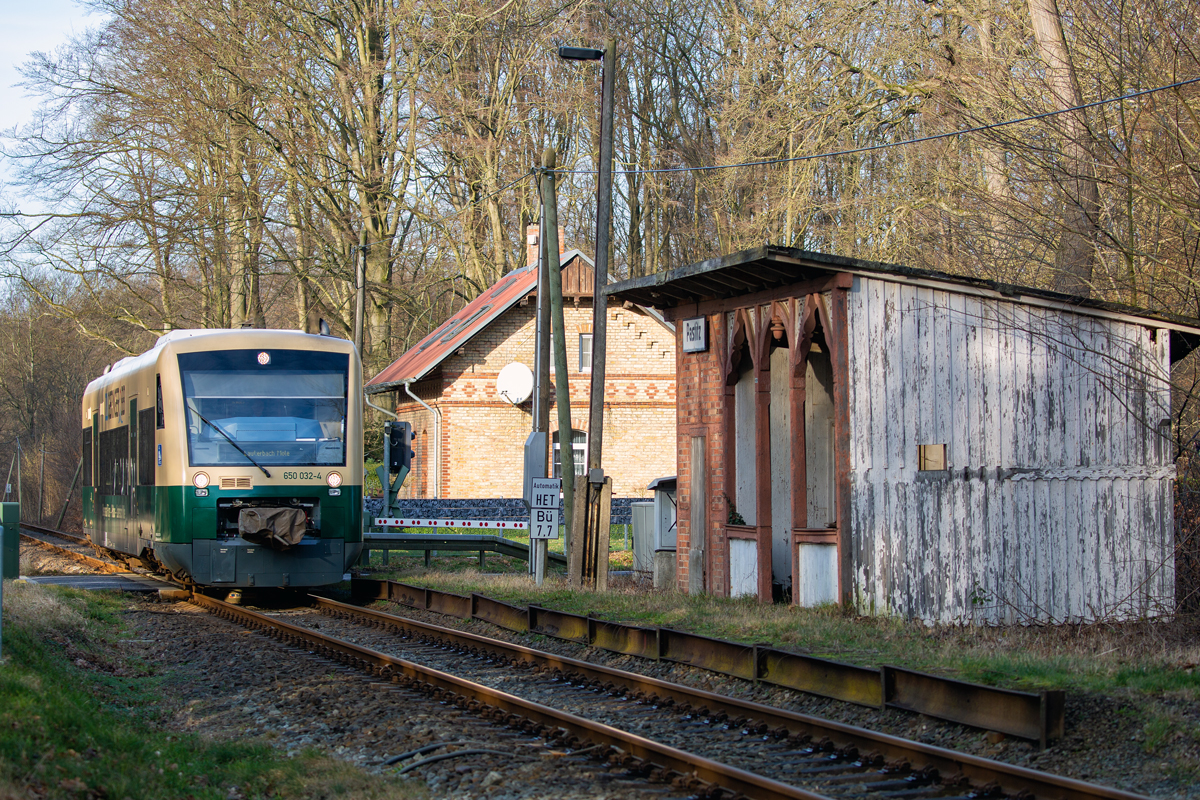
point(695, 335)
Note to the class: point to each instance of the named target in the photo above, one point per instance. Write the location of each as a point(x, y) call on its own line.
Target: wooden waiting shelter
point(907, 442)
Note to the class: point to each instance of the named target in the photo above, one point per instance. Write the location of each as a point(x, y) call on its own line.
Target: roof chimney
point(532, 243)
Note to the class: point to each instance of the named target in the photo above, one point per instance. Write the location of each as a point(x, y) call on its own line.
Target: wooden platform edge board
point(1009, 779)
point(1037, 716)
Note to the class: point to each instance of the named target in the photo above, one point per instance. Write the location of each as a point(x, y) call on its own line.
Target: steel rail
point(517, 711)
point(980, 772)
point(83, 558)
point(74, 537)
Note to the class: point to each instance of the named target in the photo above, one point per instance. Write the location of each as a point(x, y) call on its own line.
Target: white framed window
point(585, 352)
point(578, 453)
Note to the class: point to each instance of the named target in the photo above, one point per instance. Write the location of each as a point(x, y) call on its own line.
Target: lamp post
point(603, 221)
point(594, 543)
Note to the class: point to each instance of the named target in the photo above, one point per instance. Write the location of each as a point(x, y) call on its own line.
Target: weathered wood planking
point(1056, 502)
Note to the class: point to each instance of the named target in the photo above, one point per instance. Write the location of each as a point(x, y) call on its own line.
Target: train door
point(97, 533)
point(133, 521)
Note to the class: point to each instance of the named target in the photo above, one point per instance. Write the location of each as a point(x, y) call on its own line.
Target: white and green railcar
point(229, 457)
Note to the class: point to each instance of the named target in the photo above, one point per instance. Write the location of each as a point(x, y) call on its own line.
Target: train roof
point(217, 338)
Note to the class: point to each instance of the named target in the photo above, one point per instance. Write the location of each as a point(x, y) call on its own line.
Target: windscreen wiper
point(217, 428)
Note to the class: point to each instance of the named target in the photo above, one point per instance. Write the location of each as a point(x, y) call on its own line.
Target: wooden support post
point(698, 520)
point(603, 494)
point(579, 524)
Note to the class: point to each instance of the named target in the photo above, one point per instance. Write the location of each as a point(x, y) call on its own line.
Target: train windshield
point(280, 407)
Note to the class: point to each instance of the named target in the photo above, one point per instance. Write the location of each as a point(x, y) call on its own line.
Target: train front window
point(281, 407)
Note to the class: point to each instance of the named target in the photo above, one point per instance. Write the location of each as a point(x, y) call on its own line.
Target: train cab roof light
point(323, 327)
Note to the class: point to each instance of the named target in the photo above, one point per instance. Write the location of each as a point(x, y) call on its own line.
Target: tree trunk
point(1081, 195)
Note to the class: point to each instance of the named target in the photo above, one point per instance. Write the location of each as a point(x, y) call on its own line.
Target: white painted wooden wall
point(1057, 504)
point(781, 467)
point(816, 581)
point(745, 477)
point(743, 568)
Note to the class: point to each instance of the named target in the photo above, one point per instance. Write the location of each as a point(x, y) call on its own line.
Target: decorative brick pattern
point(483, 436)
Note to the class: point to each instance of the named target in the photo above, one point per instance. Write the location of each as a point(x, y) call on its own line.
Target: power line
point(454, 214)
point(884, 146)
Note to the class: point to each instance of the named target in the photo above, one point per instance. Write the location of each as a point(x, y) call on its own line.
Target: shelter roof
point(771, 267)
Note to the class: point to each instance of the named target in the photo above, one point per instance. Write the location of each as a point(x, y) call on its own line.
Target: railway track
point(73, 546)
point(713, 745)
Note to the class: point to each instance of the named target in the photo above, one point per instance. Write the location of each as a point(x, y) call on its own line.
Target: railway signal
point(398, 456)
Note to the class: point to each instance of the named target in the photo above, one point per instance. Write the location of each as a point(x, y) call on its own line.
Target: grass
point(1148, 657)
point(75, 723)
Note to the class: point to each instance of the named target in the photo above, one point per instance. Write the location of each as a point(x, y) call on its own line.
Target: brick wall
point(483, 436)
point(701, 400)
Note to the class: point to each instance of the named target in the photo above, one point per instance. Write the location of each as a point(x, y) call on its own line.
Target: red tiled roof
point(456, 331)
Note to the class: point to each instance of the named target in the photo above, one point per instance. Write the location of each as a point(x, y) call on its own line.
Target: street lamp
point(580, 53)
point(603, 220)
point(589, 557)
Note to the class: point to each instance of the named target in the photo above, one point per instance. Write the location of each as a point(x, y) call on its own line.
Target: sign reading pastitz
point(695, 335)
point(543, 513)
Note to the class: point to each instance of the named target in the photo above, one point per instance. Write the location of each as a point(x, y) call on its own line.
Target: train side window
point(159, 420)
point(145, 454)
point(87, 457)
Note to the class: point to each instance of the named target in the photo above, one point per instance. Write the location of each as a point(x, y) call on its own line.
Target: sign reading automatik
point(543, 511)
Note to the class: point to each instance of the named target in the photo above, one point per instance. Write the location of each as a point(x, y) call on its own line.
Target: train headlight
point(334, 480)
point(200, 480)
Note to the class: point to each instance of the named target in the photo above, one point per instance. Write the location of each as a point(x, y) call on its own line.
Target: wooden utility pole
point(596, 495)
point(70, 492)
point(20, 494)
point(360, 290)
point(42, 482)
point(562, 386)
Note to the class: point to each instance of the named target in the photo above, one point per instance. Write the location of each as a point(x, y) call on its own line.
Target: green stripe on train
point(175, 515)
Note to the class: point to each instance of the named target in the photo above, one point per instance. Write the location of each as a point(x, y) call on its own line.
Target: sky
point(27, 26)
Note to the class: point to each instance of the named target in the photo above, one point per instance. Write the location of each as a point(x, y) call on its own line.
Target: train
point(229, 458)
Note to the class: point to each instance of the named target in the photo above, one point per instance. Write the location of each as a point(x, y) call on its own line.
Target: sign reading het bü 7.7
point(543, 514)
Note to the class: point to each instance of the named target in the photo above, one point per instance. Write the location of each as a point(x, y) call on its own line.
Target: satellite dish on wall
point(515, 383)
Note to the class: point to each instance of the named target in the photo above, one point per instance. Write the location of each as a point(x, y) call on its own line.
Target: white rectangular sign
point(543, 513)
point(543, 523)
point(695, 335)
point(544, 492)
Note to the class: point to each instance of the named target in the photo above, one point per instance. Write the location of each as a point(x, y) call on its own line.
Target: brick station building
point(470, 439)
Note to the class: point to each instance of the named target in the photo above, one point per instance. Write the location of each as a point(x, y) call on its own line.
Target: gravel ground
point(35, 560)
point(231, 683)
